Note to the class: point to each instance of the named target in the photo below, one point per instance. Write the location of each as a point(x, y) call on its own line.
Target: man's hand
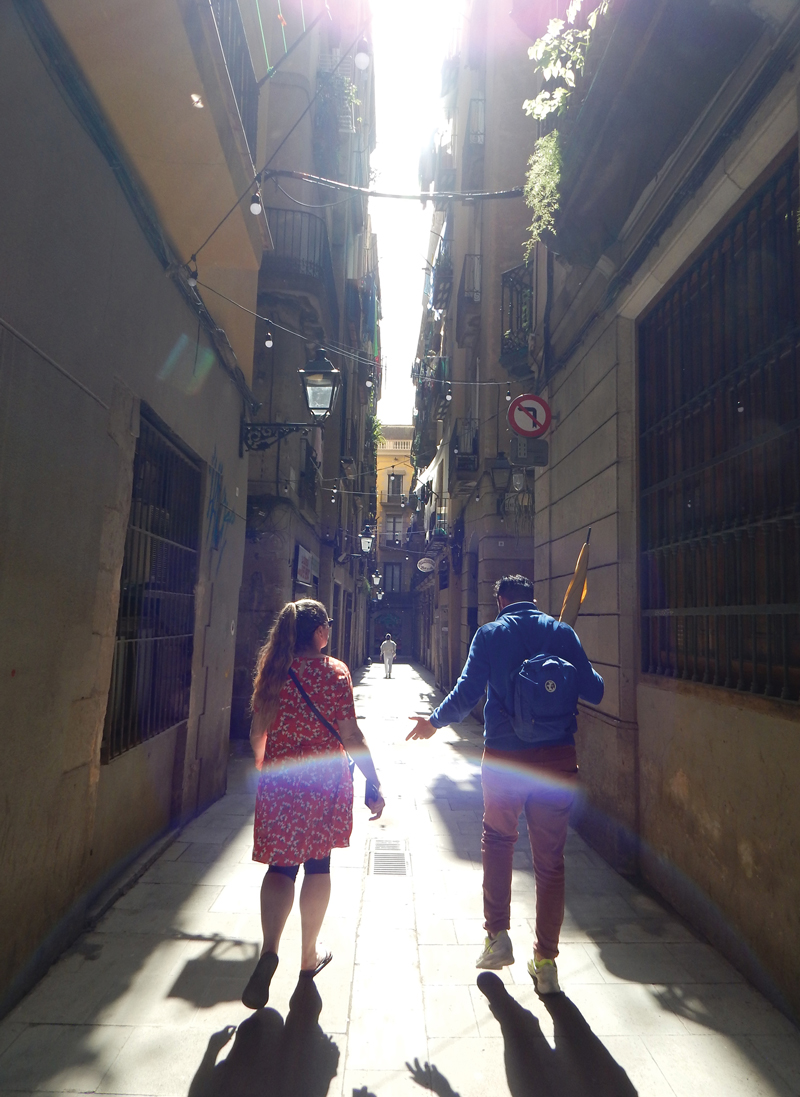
point(423, 728)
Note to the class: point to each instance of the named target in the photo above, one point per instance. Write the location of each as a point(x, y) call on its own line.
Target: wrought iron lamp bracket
point(260, 436)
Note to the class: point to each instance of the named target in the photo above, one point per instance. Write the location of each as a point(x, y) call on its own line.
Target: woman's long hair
point(292, 632)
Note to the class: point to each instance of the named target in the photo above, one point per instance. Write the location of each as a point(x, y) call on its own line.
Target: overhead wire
point(328, 344)
point(257, 177)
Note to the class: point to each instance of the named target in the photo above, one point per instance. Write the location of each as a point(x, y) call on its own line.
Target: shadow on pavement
point(578, 1066)
point(270, 1057)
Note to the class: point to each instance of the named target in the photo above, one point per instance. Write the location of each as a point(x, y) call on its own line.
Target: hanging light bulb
point(191, 277)
point(508, 394)
point(268, 340)
point(368, 383)
point(361, 58)
point(449, 394)
point(255, 204)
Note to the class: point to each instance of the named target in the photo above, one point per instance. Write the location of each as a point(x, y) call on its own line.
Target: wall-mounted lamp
point(321, 381)
point(361, 58)
point(500, 471)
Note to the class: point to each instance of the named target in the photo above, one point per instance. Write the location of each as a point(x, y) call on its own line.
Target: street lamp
point(367, 541)
point(361, 58)
point(321, 382)
point(500, 471)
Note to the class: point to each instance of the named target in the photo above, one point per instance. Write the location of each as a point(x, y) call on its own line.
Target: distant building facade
point(396, 560)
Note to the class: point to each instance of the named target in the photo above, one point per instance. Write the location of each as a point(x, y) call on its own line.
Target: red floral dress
point(304, 805)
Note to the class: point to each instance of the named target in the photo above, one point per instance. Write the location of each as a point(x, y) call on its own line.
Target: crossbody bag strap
point(314, 708)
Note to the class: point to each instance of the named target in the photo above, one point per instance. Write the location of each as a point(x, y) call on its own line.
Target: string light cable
point(419, 196)
point(345, 352)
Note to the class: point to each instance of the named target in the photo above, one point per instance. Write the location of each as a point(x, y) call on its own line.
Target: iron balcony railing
point(518, 315)
point(301, 249)
point(240, 67)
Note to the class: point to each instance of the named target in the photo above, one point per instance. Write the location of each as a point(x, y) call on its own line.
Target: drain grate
point(389, 857)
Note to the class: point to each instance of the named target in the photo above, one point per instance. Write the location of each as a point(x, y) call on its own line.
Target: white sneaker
point(545, 976)
point(497, 952)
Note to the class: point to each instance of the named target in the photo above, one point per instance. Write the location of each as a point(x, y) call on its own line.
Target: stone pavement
point(649, 1009)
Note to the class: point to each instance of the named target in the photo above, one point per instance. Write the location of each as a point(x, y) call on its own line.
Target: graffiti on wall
point(218, 514)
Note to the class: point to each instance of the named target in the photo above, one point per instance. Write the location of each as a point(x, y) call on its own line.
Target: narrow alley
point(648, 1008)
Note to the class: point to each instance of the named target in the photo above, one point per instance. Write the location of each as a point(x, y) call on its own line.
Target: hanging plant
point(560, 56)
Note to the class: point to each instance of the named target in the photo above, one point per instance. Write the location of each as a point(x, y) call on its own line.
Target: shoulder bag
point(371, 792)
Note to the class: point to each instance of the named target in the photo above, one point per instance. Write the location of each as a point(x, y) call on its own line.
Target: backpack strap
point(314, 708)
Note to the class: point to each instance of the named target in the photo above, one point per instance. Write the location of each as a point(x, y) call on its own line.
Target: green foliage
point(374, 432)
point(560, 55)
point(542, 187)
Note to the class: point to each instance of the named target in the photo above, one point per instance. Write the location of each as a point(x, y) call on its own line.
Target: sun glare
point(410, 42)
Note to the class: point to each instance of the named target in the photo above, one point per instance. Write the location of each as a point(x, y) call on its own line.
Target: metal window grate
point(152, 667)
point(719, 457)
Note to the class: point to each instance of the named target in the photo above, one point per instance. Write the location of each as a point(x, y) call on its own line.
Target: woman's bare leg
point(277, 897)
point(314, 896)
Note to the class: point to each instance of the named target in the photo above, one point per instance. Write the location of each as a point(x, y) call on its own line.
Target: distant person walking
point(303, 719)
point(388, 651)
point(534, 773)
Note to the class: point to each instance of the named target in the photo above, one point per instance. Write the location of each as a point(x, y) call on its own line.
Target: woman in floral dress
point(304, 805)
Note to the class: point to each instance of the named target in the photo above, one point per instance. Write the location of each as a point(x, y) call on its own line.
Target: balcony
point(302, 255)
point(464, 455)
point(240, 68)
point(390, 498)
point(518, 318)
point(660, 68)
point(468, 317)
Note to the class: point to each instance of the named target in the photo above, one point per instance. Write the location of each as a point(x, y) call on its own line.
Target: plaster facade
point(94, 337)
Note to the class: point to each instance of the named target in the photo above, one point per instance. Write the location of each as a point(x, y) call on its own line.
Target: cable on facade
point(52, 362)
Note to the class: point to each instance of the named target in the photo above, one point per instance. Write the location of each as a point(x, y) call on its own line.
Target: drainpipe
point(547, 352)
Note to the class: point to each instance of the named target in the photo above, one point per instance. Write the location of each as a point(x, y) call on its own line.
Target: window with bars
point(152, 668)
point(720, 457)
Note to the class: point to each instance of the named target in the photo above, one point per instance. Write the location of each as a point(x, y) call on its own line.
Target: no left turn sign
point(529, 415)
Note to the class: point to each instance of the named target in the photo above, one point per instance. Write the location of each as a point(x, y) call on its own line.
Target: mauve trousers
point(539, 782)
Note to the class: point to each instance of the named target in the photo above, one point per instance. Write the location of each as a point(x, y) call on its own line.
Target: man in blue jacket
point(539, 780)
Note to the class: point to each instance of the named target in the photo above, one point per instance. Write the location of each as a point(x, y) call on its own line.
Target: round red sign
point(529, 415)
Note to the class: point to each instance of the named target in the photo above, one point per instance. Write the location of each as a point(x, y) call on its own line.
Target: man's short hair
point(514, 588)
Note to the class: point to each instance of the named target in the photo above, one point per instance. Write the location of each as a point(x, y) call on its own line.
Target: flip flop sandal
point(256, 993)
point(322, 961)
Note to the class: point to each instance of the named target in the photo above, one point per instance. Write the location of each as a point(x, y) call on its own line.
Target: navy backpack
point(545, 698)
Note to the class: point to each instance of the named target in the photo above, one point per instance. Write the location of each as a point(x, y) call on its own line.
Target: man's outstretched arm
point(462, 698)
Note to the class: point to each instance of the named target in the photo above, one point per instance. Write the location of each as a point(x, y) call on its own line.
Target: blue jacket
point(498, 648)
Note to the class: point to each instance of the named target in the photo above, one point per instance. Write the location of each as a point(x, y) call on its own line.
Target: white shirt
point(388, 647)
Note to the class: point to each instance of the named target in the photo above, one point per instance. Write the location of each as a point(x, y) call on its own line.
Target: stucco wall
point(720, 819)
point(79, 280)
